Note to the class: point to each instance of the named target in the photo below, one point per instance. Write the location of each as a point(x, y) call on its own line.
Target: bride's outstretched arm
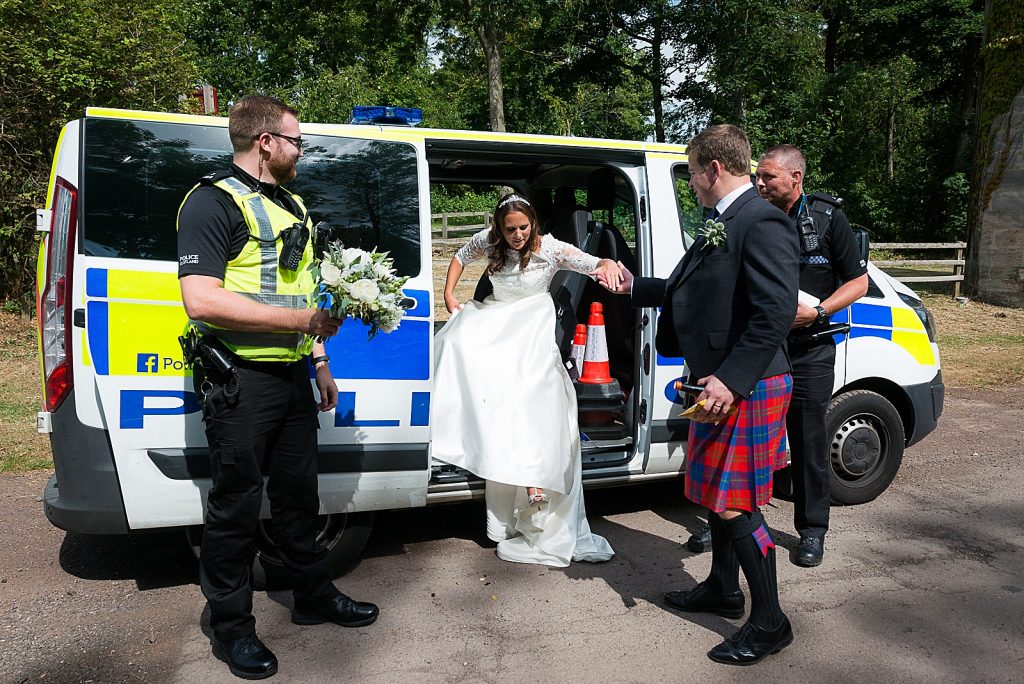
point(454, 273)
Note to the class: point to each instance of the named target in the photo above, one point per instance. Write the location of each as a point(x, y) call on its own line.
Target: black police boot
point(246, 657)
point(810, 551)
point(700, 541)
point(340, 609)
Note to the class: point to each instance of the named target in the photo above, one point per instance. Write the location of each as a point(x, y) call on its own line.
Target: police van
point(125, 427)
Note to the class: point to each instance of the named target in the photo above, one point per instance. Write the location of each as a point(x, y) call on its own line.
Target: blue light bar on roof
point(400, 116)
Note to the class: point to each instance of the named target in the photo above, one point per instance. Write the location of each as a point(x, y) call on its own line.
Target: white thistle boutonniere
point(714, 233)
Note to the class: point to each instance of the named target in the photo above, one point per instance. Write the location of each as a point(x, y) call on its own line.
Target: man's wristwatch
point(822, 318)
point(316, 360)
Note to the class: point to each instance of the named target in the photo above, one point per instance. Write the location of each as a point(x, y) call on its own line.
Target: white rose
point(364, 290)
point(381, 271)
point(349, 255)
point(329, 273)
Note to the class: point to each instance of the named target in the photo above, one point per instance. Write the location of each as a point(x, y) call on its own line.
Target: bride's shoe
point(536, 496)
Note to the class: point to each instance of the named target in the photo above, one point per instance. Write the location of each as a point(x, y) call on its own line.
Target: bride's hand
point(608, 274)
point(451, 303)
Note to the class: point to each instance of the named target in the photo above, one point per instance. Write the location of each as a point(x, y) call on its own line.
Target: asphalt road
point(924, 584)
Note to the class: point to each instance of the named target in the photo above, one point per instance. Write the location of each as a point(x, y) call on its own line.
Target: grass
point(21, 447)
point(981, 346)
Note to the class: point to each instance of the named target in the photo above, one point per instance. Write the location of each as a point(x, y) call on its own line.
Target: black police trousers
point(813, 376)
point(268, 428)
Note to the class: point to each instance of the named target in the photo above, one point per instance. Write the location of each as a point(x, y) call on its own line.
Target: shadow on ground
point(153, 560)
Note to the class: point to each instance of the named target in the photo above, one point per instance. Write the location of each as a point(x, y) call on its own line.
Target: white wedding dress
point(504, 408)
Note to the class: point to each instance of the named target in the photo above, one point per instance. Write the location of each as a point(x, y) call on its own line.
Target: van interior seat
point(574, 224)
point(619, 316)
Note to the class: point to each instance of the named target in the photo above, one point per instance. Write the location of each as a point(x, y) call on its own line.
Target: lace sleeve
point(568, 257)
point(475, 249)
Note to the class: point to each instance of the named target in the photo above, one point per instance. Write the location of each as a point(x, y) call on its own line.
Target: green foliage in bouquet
point(359, 284)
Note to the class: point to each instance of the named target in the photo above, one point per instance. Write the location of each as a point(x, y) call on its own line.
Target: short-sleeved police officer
point(834, 272)
point(244, 249)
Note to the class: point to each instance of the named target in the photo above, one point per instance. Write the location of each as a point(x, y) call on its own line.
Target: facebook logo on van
point(147, 363)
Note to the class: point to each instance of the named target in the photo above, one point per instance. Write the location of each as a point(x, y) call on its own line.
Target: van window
point(691, 214)
point(137, 173)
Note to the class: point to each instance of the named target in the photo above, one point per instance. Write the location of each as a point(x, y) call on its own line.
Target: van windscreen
point(136, 174)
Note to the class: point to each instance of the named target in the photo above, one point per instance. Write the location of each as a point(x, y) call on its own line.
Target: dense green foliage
point(880, 94)
point(59, 57)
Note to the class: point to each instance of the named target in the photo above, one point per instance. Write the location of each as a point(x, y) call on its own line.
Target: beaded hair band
point(513, 198)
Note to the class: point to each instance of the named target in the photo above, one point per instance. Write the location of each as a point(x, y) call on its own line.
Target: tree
point(60, 57)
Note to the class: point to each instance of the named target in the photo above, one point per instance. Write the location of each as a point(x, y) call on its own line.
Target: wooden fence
point(446, 227)
point(957, 264)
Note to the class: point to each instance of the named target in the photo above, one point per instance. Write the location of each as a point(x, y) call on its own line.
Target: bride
point(504, 406)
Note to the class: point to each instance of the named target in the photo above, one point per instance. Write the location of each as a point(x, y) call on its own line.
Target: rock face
point(995, 268)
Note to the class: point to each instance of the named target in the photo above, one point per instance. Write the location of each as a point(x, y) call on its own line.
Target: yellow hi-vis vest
point(255, 274)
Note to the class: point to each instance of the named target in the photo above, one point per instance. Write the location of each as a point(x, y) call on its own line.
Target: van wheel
point(866, 447)
point(343, 535)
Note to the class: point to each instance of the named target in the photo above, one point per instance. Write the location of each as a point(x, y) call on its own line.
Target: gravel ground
point(924, 584)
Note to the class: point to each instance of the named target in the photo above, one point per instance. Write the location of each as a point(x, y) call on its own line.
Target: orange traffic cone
point(595, 361)
point(579, 347)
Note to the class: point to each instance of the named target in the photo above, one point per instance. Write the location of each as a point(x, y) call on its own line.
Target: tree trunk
point(491, 44)
point(890, 138)
point(832, 24)
point(658, 96)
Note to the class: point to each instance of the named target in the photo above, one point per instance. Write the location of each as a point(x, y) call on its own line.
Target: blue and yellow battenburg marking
point(134, 318)
point(899, 325)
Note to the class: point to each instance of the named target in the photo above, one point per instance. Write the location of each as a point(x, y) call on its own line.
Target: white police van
point(128, 444)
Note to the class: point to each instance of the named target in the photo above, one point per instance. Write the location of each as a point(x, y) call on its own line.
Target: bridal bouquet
point(363, 285)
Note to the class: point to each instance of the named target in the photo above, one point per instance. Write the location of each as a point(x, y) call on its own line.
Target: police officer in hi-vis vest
point(244, 250)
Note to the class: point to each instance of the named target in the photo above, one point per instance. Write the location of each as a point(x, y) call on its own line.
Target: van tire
point(865, 447)
point(343, 535)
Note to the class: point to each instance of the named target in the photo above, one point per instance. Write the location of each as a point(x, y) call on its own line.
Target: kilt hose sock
point(755, 549)
point(725, 566)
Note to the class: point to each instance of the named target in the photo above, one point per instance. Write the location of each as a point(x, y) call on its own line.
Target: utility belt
point(211, 362)
point(806, 337)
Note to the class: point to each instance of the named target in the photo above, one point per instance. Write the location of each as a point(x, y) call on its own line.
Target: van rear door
point(136, 170)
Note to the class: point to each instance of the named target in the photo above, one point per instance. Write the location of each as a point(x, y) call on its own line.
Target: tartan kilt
point(730, 465)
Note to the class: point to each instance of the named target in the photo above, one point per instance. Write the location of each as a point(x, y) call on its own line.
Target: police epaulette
point(825, 197)
point(211, 178)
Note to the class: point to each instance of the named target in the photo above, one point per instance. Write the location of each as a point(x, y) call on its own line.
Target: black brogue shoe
point(702, 599)
point(752, 644)
point(246, 657)
point(340, 609)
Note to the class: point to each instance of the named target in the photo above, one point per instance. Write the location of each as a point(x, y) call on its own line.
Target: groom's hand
point(718, 399)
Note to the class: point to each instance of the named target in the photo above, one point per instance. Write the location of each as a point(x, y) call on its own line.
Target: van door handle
point(78, 318)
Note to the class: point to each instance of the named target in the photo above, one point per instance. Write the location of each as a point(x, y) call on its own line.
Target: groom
point(727, 308)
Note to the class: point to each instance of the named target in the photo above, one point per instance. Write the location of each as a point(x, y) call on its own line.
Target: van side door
point(136, 170)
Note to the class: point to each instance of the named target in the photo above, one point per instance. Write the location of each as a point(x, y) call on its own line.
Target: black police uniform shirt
point(837, 260)
point(212, 230)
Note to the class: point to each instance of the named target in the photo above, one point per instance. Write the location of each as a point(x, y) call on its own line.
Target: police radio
point(293, 244)
point(808, 235)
